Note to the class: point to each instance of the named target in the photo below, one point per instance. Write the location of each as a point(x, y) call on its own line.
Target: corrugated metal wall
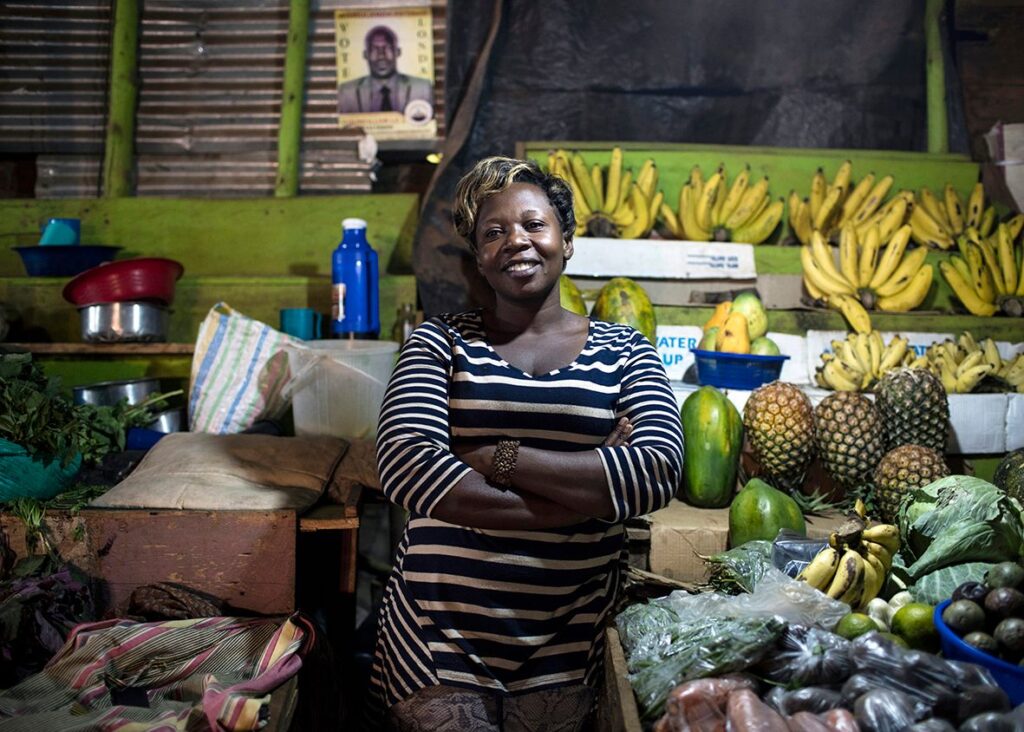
point(209, 96)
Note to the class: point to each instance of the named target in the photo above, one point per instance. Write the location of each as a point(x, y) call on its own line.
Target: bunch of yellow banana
point(862, 359)
point(988, 274)
point(830, 206)
point(853, 568)
point(938, 222)
point(612, 204)
point(715, 210)
point(963, 364)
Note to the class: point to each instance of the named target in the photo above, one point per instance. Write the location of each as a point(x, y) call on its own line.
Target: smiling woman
point(519, 436)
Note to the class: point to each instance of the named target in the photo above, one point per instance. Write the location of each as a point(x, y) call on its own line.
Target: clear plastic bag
point(791, 552)
point(699, 705)
point(792, 600)
point(808, 657)
point(746, 713)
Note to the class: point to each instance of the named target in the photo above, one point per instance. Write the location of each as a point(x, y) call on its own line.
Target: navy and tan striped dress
point(511, 611)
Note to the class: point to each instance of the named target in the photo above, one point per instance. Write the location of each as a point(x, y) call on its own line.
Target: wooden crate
point(616, 705)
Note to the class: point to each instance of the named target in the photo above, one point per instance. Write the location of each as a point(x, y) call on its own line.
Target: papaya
point(570, 296)
point(1009, 474)
point(733, 337)
point(759, 511)
point(713, 436)
point(622, 300)
point(717, 319)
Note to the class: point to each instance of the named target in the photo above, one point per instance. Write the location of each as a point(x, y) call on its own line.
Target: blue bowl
point(64, 260)
point(1010, 677)
point(736, 370)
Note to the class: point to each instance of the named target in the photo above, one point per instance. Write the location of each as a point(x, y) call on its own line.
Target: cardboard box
point(681, 534)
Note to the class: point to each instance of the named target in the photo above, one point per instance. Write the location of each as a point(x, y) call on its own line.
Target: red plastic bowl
point(143, 278)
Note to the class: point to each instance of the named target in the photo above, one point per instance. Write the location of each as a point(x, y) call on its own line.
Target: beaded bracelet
point(504, 463)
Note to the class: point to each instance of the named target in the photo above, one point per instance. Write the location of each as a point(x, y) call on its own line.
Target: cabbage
point(956, 520)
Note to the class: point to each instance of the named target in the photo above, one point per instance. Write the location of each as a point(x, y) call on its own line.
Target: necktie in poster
point(385, 71)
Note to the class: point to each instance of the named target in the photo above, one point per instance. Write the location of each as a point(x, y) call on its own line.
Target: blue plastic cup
point(304, 323)
point(61, 232)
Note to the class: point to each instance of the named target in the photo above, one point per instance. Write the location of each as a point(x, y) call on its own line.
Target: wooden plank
point(617, 710)
point(239, 236)
point(243, 558)
point(65, 532)
point(106, 349)
point(332, 517)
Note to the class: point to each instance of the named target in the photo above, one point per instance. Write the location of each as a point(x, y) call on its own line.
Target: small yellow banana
point(821, 569)
point(849, 263)
point(904, 273)
point(874, 200)
point(891, 258)
point(912, 295)
point(828, 208)
point(853, 311)
point(706, 201)
point(611, 192)
point(841, 181)
point(867, 258)
point(894, 353)
point(857, 196)
point(965, 292)
point(1007, 262)
point(849, 578)
point(819, 188)
point(756, 231)
point(888, 535)
point(975, 206)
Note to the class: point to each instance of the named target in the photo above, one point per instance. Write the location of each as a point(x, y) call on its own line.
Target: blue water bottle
point(355, 306)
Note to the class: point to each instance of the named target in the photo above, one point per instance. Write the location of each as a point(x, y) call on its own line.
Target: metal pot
point(170, 420)
point(118, 322)
point(109, 393)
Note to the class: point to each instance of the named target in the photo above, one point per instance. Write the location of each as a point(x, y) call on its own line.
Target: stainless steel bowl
point(109, 393)
point(170, 420)
point(119, 322)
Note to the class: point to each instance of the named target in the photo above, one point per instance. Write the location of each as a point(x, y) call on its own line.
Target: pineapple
point(849, 437)
point(914, 409)
point(779, 422)
point(901, 470)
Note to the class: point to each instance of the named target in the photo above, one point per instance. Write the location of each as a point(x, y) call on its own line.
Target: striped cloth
point(206, 674)
point(239, 372)
point(511, 611)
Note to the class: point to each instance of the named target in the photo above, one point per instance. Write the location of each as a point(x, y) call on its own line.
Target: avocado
point(983, 642)
point(1005, 574)
point(1009, 634)
point(1004, 602)
point(975, 591)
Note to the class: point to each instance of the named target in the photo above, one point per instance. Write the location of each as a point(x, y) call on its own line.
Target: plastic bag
point(885, 710)
point(739, 569)
point(746, 713)
point(239, 372)
point(698, 712)
point(792, 600)
point(840, 720)
point(791, 552)
point(814, 699)
point(25, 476)
point(808, 657)
point(935, 684)
point(806, 722)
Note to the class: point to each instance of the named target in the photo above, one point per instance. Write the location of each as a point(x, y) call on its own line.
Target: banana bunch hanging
point(613, 204)
point(714, 210)
point(892, 279)
point(830, 206)
point(963, 364)
point(862, 359)
point(938, 222)
point(988, 274)
point(853, 568)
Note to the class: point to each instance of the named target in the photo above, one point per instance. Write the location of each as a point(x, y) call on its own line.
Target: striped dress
point(511, 611)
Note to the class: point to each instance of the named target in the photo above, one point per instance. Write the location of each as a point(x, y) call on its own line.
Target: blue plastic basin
point(64, 260)
point(1010, 677)
point(736, 370)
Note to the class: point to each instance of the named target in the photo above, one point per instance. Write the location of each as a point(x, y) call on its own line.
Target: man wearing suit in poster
point(383, 89)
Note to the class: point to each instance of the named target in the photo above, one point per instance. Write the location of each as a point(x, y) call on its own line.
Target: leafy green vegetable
point(739, 569)
point(937, 586)
point(957, 520)
point(35, 413)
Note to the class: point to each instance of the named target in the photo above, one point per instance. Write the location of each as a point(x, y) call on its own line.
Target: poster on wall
point(385, 64)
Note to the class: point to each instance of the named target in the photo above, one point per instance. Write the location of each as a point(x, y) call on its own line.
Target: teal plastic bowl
point(64, 260)
point(1010, 677)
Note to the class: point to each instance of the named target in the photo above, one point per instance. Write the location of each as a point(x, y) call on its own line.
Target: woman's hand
point(619, 436)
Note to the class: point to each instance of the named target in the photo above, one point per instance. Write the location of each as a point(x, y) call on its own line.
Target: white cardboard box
point(661, 259)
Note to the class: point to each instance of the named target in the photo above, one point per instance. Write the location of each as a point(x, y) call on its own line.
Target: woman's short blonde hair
point(494, 175)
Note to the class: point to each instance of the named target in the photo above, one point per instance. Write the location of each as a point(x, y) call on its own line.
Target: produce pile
point(963, 365)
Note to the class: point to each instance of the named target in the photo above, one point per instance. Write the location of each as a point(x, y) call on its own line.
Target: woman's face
point(520, 249)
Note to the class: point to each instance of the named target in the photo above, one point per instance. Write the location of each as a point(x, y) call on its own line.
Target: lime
point(895, 639)
point(853, 624)
point(914, 623)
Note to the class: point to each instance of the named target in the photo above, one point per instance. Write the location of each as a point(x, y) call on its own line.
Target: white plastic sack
point(239, 372)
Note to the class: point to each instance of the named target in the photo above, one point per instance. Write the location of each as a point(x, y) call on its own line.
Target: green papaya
point(759, 511)
point(570, 296)
point(713, 438)
point(622, 300)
